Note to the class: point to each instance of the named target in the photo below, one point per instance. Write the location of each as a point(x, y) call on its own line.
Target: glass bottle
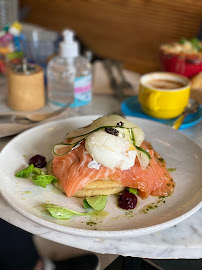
point(69, 75)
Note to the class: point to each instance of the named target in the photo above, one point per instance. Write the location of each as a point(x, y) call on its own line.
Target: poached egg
point(111, 151)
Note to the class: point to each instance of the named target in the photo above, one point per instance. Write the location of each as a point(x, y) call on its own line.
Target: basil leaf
point(43, 180)
point(25, 172)
point(85, 204)
point(62, 212)
point(38, 171)
point(133, 191)
point(97, 202)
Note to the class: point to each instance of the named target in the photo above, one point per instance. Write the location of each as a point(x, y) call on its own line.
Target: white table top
point(180, 241)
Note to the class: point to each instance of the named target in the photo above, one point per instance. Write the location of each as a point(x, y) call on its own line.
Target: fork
point(124, 83)
point(32, 117)
point(117, 87)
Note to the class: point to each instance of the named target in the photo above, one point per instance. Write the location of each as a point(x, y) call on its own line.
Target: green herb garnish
point(85, 204)
point(196, 44)
point(38, 171)
point(171, 169)
point(62, 212)
point(25, 172)
point(133, 191)
point(39, 177)
point(183, 40)
point(91, 223)
point(43, 180)
point(97, 202)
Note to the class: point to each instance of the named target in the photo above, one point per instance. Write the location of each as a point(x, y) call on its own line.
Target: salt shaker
point(26, 88)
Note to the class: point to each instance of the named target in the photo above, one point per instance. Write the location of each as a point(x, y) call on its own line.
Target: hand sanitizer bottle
point(69, 76)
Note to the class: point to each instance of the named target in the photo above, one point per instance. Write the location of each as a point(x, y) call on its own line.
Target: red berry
point(38, 161)
point(127, 200)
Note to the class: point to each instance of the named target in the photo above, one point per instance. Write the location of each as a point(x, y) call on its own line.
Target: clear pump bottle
point(69, 76)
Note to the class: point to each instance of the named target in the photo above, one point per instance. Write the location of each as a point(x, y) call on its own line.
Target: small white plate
point(178, 150)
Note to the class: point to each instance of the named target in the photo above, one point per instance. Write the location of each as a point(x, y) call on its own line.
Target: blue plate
point(132, 107)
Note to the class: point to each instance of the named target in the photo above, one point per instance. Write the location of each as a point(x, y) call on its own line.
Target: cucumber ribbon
point(85, 135)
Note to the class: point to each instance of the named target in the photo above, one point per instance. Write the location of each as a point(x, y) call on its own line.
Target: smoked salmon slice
point(73, 173)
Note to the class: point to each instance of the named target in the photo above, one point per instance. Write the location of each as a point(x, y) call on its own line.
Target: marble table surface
point(183, 240)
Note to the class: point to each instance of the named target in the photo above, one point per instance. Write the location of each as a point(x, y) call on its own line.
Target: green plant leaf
point(97, 202)
point(133, 190)
point(62, 212)
point(25, 172)
point(43, 180)
point(183, 40)
point(85, 204)
point(195, 43)
point(38, 171)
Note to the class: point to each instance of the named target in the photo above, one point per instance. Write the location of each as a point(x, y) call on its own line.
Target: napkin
point(7, 129)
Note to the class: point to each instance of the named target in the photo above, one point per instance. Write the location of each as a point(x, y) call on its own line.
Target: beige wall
point(126, 30)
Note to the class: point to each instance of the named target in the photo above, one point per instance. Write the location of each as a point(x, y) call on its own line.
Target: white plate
point(178, 150)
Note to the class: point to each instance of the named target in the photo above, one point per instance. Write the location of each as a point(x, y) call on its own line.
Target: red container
point(181, 64)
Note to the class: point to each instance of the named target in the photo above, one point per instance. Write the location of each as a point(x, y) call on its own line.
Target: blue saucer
point(132, 107)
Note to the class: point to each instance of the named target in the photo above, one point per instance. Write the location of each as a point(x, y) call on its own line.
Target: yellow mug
point(164, 94)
